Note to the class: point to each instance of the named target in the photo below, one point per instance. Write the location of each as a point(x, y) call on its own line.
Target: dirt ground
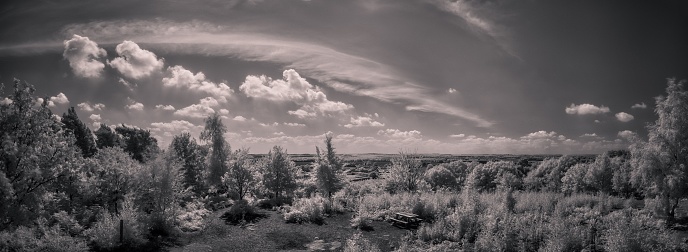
point(274, 234)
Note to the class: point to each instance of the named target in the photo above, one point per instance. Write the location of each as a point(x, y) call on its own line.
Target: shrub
point(307, 210)
point(104, 233)
point(241, 212)
point(40, 239)
point(628, 230)
point(192, 215)
point(359, 244)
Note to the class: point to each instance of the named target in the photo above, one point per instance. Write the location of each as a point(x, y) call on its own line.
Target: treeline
point(65, 188)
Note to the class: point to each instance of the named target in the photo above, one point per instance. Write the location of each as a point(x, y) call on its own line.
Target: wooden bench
point(406, 220)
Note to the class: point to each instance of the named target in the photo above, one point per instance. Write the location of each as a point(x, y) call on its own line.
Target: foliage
point(242, 212)
point(192, 156)
point(106, 137)
point(240, 176)
point(359, 244)
point(213, 135)
point(190, 217)
point(104, 233)
point(40, 238)
point(405, 174)
point(138, 143)
point(439, 177)
point(83, 135)
point(547, 176)
point(312, 210)
point(278, 172)
point(35, 155)
point(575, 179)
point(329, 178)
point(661, 163)
point(108, 177)
point(632, 231)
point(160, 191)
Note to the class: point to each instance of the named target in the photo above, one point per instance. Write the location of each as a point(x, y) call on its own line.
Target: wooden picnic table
point(406, 220)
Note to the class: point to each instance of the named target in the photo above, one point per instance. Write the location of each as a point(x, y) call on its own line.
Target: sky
point(381, 76)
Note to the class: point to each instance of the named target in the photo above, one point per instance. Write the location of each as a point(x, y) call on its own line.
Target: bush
point(359, 244)
point(40, 239)
point(628, 230)
point(191, 217)
point(104, 233)
point(242, 212)
point(307, 210)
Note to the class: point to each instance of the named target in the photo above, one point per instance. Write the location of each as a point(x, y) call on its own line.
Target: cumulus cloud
point(452, 90)
point(395, 133)
point(165, 107)
point(294, 124)
point(363, 121)
point(624, 117)
point(178, 76)
point(133, 105)
point(134, 62)
point(586, 109)
point(200, 110)
point(83, 56)
point(90, 108)
point(542, 134)
point(589, 135)
point(627, 134)
point(173, 126)
point(58, 99)
point(239, 119)
point(639, 106)
point(457, 135)
point(292, 88)
point(95, 117)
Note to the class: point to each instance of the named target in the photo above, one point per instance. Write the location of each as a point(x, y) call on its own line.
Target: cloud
point(239, 119)
point(624, 117)
point(451, 90)
point(295, 124)
point(395, 133)
point(457, 136)
point(133, 105)
point(174, 126)
point(178, 76)
point(363, 121)
point(127, 84)
point(542, 134)
point(292, 88)
point(200, 110)
point(586, 109)
point(627, 134)
point(268, 124)
point(593, 135)
point(165, 107)
point(639, 106)
point(59, 99)
point(90, 108)
point(6, 101)
point(134, 62)
point(83, 56)
point(344, 72)
point(95, 117)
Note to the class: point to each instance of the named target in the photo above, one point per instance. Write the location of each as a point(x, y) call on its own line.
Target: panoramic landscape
point(326, 125)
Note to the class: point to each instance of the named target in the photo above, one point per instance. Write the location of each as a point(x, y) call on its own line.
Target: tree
point(161, 189)
point(106, 137)
point(109, 176)
point(213, 135)
point(439, 177)
point(600, 173)
point(83, 135)
point(34, 157)
point(278, 172)
point(548, 175)
point(328, 170)
point(192, 157)
point(239, 179)
point(661, 163)
point(138, 143)
point(574, 179)
point(405, 174)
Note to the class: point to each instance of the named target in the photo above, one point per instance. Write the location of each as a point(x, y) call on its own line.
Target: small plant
point(240, 212)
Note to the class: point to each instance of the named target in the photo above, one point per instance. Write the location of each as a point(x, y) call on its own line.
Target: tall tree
point(192, 157)
point(213, 135)
point(661, 163)
point(83, 135)
point(328, 177)
point(279, 172)
point(239, 178)
point(106, 137)
point(138, 143)
point(35, 155)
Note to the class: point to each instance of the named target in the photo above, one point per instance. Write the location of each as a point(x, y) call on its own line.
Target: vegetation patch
point(242, 212)
point(288, 239)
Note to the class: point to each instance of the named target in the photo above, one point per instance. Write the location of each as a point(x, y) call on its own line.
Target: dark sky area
point(431, 76)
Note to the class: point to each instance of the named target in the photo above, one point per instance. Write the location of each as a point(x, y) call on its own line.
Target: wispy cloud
point(344, 72)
